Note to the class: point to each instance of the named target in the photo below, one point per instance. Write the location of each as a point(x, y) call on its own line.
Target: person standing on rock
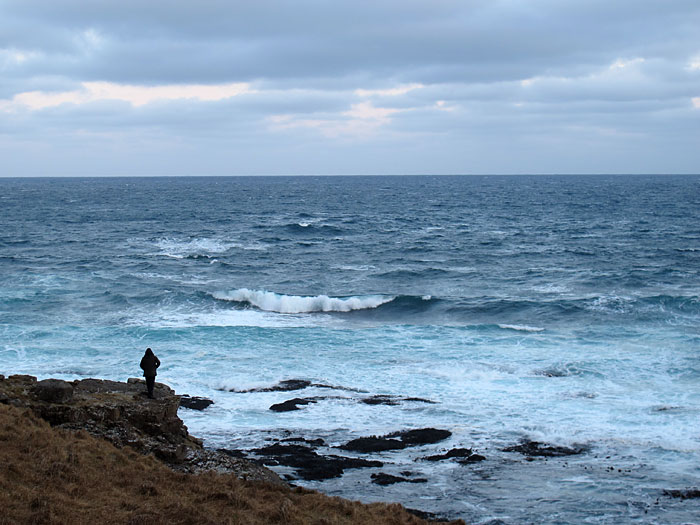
point(149, 365)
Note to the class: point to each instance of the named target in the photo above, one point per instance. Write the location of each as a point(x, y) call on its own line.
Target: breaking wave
point(521, 328)
point(295, 304)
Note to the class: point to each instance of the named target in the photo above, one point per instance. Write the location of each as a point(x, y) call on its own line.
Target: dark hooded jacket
point(149, 364)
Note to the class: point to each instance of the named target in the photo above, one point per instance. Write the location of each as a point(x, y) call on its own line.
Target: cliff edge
point(122, 414)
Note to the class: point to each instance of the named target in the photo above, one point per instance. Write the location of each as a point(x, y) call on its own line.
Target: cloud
point(389, 92)
point(391, 85)
point(135, 95)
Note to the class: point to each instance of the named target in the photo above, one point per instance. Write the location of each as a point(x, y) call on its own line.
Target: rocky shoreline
point(121, 413)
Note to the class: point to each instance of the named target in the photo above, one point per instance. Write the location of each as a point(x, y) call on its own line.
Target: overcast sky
point(236, 87)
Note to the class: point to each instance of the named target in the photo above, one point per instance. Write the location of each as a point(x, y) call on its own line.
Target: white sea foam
point(521, 328)
point(180, 249)
point(294, 304)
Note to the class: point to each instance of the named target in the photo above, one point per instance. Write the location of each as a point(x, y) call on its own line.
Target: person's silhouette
point(149, 365)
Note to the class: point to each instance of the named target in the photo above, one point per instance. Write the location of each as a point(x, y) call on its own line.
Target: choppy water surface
point(557, 309)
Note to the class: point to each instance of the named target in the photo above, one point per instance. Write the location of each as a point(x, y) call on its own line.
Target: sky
point(336, 87)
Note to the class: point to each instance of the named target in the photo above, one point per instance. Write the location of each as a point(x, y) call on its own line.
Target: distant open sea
point(561, 309)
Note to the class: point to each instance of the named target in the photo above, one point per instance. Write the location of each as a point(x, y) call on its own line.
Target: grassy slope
point(53, 476)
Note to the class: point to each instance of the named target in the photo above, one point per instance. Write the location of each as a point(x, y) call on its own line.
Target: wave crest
point(295, 304)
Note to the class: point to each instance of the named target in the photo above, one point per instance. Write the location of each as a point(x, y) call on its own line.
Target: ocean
point(558, 309)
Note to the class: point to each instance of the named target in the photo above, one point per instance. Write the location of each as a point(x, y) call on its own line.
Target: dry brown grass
point(50, 476)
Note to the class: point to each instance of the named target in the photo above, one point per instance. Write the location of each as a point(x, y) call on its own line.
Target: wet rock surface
point(372, 444)
point(194, 402)
point(683, 493)
point(292, 404)
point(464, 455)
point(382, 399)
point(289, 385)
point(421, 436)
point(538, 449)
point(396, 440)
point(382, 478)
point(308, 464)
point(121, 413)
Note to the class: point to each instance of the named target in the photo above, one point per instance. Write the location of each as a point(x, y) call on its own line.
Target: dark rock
point(474, 458)
point(387, 479)
point(683, 493)
point(466, 455)
point(232, 453)
point(373, 444)
point(53, 391)
point(392, 400)
point(289, 385)
point(2, 377)
point(419, 400)
point(283, 386)
point(313, 442)
point(552, 372)
point(380, 400)
point(310, 465)
point(535, 448)
point(195, 403)
point(407, 438)
point(421, 436)
point(427, 516)
point(21, 378)
point(667, 408)
point(292, 404)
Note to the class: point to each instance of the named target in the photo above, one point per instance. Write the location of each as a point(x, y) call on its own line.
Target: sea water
point(559, 309)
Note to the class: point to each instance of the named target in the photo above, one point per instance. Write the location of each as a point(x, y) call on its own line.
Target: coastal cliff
point(92, 449)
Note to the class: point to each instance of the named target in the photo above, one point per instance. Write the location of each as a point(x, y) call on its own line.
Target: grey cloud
point(424, 41)
point(306, 58)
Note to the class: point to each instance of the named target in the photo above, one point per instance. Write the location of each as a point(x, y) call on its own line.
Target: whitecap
point(294, 304)
point(180, 249)
point(521, 328)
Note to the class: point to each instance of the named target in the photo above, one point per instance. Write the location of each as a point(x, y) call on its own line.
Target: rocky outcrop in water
point(308, 464)
point(122, 414)
point(289, 385)
point(463, 455)
point(194, 402)
point(397, 440)
point(382, 478)
point(683, 493)
point(535, 448)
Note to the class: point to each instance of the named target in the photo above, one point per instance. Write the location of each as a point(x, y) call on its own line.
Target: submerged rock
point(318, 442)
point(382, 399)
point(289, 385)
point(535, 448)
point(683, 493)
